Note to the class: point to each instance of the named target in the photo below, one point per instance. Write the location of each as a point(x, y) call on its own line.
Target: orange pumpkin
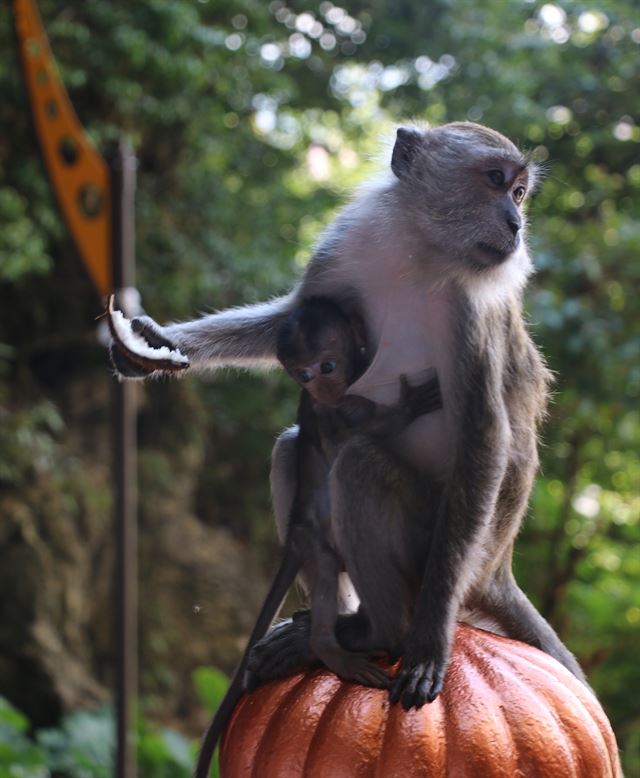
point(507, 711)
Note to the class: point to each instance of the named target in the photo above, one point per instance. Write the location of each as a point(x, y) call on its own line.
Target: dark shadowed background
point(251, 122)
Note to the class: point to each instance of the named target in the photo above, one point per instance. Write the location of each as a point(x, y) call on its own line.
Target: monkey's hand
point(421, 399)
point(421, 677)
point(139, 348)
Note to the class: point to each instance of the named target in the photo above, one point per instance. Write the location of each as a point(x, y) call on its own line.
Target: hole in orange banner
point(69, 151)
point(90, 201)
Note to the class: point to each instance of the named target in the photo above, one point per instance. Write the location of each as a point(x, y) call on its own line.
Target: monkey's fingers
point(148, 329)
point(375, 677)
point(356, 666)
point(140, 347)
point(405, 685)
point(425, 398)
point(282, 651)
point(429, 693)
point(418, 684)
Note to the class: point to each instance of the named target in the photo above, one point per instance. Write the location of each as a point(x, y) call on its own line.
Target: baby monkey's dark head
point(464, 186)
point(322, 349)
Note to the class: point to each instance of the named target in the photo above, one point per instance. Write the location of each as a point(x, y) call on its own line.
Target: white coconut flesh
point(138, 345)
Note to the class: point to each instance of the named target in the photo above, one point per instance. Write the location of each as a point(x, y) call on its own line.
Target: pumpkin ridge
point(449, 703)
point(276, 720)
point(324, 720)
point(521, 702)
point(498, 675)
point(243, 714)
point(572, 715)
point(486, 740)
point(590, 703)
point(349, 740)
point(409, 736)
point(579, 690)
point(575, 708)
point(386, 738)
point(574, 688)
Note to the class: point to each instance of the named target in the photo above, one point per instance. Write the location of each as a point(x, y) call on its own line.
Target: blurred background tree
point(252, 122)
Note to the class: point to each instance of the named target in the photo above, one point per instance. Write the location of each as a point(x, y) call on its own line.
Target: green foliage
point(211, 686)
point(165, 753)
point(251, 121)
point(27, 440)
point(19, 756)
point(21, 251)
point(83, 746)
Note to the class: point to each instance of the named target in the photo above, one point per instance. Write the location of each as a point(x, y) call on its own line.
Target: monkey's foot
point(419, 681)
point(282, 651)
point(349, 665)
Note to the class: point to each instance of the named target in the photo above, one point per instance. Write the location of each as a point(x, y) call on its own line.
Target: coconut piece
point(137, 349)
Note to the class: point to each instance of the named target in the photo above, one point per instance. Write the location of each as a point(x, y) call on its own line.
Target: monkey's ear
point(405, 150)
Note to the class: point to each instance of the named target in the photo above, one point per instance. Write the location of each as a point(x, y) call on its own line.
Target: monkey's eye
point(304, 376)
point(328, 367)
point(518, 194)
point(496, 177)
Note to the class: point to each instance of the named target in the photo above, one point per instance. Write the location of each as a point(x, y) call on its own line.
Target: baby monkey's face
point(323, 371)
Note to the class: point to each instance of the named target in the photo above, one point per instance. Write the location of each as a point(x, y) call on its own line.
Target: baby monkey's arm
point(376, 419)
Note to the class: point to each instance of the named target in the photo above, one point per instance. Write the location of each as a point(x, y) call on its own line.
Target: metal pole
point(122, 164)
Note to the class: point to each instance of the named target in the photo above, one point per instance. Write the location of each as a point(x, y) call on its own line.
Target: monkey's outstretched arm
point(289, 568)
point(236, 337)
point(456, 554)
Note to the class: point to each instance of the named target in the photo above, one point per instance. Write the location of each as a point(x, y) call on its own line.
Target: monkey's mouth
point(497, 255)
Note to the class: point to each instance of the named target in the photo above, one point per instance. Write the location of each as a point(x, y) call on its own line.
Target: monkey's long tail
point(289, 568)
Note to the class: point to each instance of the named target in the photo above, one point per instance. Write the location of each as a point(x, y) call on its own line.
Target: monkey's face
point(464, 187)
point(323, 373)
point(325, 379)
point(322, 349)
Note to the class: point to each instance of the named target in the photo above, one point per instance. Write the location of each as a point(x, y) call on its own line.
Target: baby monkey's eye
point(328, 367)
point(304, 376)
point(518, 194)
point(496, 177)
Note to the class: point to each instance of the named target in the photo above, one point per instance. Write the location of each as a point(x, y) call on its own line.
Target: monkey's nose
point(514, 224)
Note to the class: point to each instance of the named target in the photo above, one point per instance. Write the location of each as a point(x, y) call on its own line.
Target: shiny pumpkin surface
point(507, 711)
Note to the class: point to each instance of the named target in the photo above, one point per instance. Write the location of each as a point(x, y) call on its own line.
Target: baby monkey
point(324, 349)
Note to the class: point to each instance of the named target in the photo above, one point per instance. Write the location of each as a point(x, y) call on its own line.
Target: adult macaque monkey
point(436, 259)
point(324, 350)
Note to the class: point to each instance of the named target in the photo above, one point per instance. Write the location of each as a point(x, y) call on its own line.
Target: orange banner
point(78, 174)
